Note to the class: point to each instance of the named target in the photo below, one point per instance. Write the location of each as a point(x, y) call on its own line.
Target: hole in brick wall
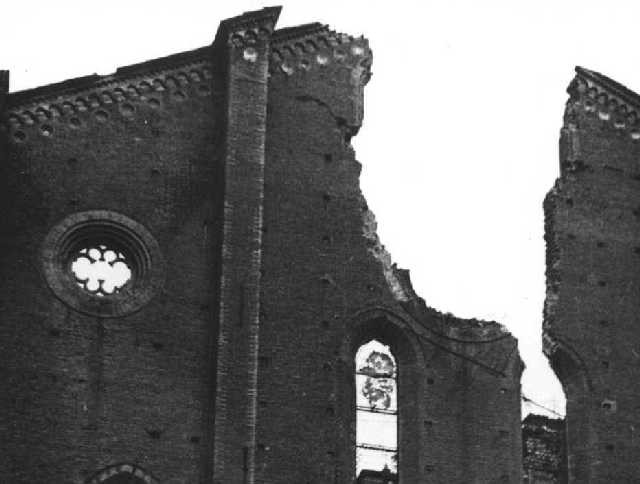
point(636, 250)
point(428, 424)
point(609, 447)
point(194, 439)
point(330, 411)
point(262, 404)
point(602, 283)
point(157, 346)
point(429, 468)
point(571, 236)
point(326, 239)
point(328, 158)
point(609, 405)
point(569, 202)
point(430, 381)
point(601, 244)
point(74, 202)
point(54, 332)
point(262, 447)
point(636, 212)
point(155, 172)
point(74, 122)
point(326, 198)
point(324, 323)
point(603, 322)
point(605, 364)
point(327, 367)
point(264, 361)
point(326, 280)
point(331, 453)
point(19, 136)
point(72, 162)
point(153, 433)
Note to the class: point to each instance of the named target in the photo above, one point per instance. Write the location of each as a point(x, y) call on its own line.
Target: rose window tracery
point(101, 270)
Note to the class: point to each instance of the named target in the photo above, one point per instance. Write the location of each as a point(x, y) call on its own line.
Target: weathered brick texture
point(237, 159)
point(593, 282)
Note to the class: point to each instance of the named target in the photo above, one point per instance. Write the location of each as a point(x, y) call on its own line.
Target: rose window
point(100, 270)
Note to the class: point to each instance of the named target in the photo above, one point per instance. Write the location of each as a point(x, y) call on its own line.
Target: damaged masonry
point(254, 328)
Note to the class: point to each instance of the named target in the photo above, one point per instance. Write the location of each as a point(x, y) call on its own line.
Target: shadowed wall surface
point(593, 249)
point(226, 176)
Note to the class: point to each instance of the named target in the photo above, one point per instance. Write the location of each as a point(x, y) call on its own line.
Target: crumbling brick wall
point(591, 312)
point(236, 361)
point(543, 450)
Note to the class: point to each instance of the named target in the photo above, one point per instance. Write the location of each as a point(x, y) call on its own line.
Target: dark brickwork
point(543, 450)
point(593, 279)
point(237, 159)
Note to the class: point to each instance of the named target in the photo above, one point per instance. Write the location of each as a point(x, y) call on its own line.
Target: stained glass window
point(376, 409)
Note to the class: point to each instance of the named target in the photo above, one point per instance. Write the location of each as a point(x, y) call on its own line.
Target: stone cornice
point(605, 98)
point(294, 50)
point(66, 102)
point(314, 46)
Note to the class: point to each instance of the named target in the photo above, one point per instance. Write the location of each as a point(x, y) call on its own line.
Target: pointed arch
point(389, 329)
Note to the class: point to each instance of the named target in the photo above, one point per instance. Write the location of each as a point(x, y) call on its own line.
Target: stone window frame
point(90, 227)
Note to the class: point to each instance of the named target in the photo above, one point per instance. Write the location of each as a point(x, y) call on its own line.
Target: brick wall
point(237, 160)
point(81, 392)
point(591, 311)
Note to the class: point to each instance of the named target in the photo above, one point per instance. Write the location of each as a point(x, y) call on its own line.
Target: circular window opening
point(102, 263)
point(101, 270)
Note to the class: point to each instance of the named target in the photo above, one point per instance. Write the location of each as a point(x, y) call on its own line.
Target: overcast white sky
point(459, 143)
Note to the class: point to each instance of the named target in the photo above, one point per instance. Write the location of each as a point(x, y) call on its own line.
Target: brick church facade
point(223, 185)
point(225, 180)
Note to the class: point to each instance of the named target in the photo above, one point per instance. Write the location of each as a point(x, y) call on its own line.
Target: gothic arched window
point(376, 410)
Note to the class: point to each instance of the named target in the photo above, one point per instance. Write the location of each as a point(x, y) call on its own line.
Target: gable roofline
point(609, 85)
point(50, 91)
